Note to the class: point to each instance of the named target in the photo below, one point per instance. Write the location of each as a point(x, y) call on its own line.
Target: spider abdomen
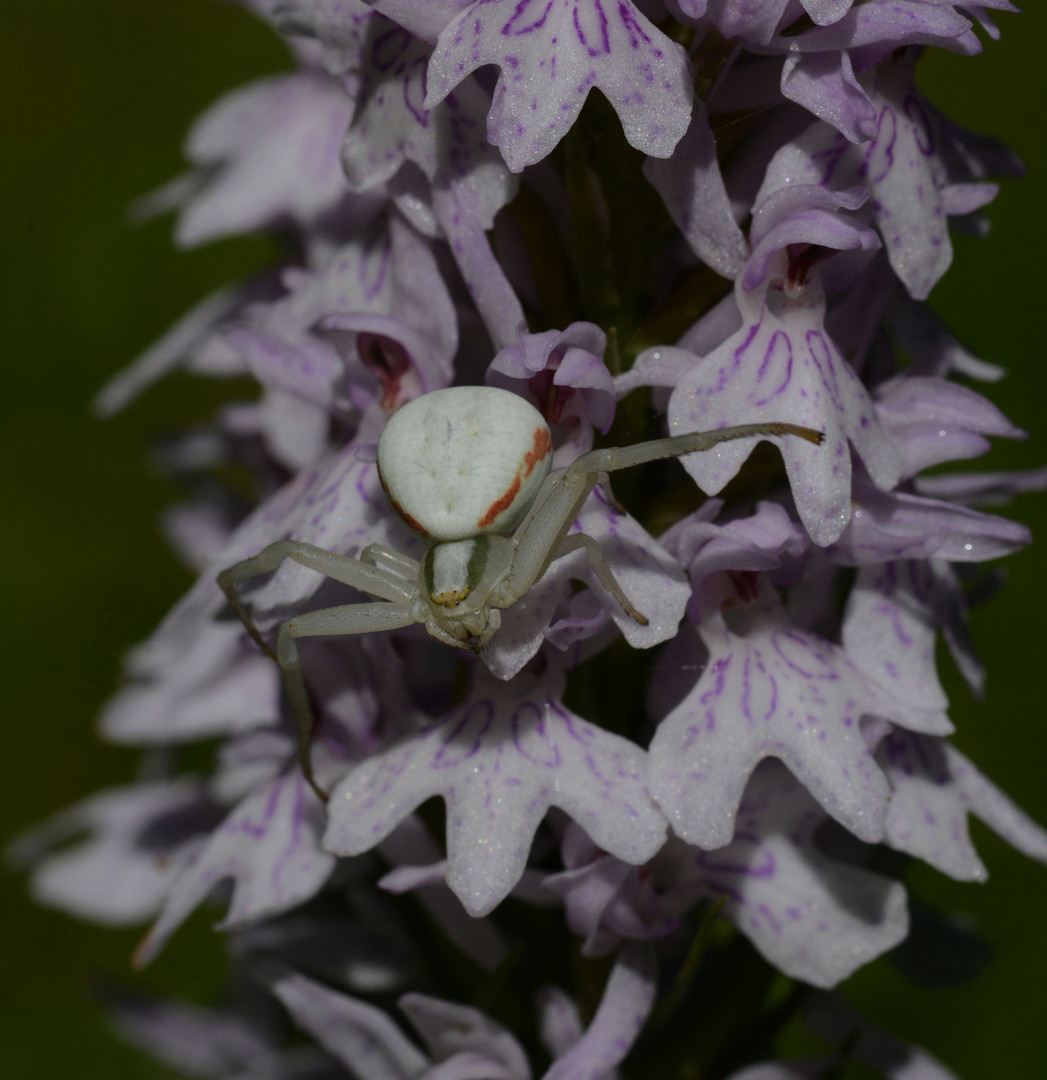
point(465, 461)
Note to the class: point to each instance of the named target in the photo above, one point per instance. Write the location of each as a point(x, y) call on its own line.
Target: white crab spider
point(468, 469)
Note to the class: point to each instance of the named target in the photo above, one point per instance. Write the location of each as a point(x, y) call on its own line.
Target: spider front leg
point(348, 619)
point(542, 536)
point(366, 577)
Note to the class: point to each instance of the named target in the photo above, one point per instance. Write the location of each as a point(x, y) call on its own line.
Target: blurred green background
point(98, 97)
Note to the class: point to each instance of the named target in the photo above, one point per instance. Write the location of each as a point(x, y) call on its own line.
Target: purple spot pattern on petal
point(560, 50)
point(500, 761)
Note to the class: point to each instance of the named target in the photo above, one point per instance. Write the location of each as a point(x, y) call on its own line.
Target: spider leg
point(347, 619)
point(602, 570)
point(544, 529)
point(363, 576)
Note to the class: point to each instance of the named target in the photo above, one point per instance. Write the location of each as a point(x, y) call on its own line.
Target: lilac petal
point(920, 333)
point(210, 683)
point(561, 1026)
point(587, 893)
point(563, 374)
point(830, 1018)
point(385, 282)
point(754, 22)
point(936, 421)
point(307, 370)
point(896, 525)
point(191, 1040)
point(782, 365)
point(166, 354)
point(627, 1001)
point(815, 227)
point(650, 577)
point(663, 365)
point(337, 504)
point(419, 867)
point(468, 180)
point(392, 127)
point(771, 690)
point(693, 191)
point(761, 541)
point(962, 199)
point(139, 838)
point(500, 761)
point(527, 623)
point(361, 1036)
point(878, 27)
point(792, 1070)
point(815, 918)
point(424, 20)
point(825, 85)
point(276, 145)
point(449, 1030)
point(551, 53)
point(456, 207)
point(935, 789)
point(889, 632)
point(982, 489)
point(269, 847)
point(902, 167)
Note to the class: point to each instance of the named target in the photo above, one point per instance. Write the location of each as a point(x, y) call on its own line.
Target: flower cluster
point(741, 225)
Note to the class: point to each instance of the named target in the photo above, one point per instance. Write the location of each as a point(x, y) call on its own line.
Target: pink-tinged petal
point(649, 576)
point(935, 421)
point(751, 20)
point(889, 632)
point(208, 683)
point(770, 689)
point(813, 917)
point(551, 54)
point(268, 846)
point(194, 1041)
point(693, 191)
point(911, 163)
point(923, 336)
point(763, 541)
point(873, 30)
point(627, 1001)
point(359, 1035)
point(782, 365)
point(982, 489)
point(177, 344)
point(457, 209)
point(137, 841)
point(499, 762)
point(450, 1029)
point(826, 86)
point(392, 127)
point(424, 20)
point(935, 790)
point(563, 374)
point(896, 525)
point(272, 149)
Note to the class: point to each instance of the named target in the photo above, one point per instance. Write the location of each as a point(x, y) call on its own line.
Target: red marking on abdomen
point(410, 521)
point(501, 504)
point(541, 445)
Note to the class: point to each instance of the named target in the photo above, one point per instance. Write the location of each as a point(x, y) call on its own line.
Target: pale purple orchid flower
point(556, 824)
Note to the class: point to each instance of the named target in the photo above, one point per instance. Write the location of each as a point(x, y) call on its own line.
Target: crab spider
point(468, 470)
